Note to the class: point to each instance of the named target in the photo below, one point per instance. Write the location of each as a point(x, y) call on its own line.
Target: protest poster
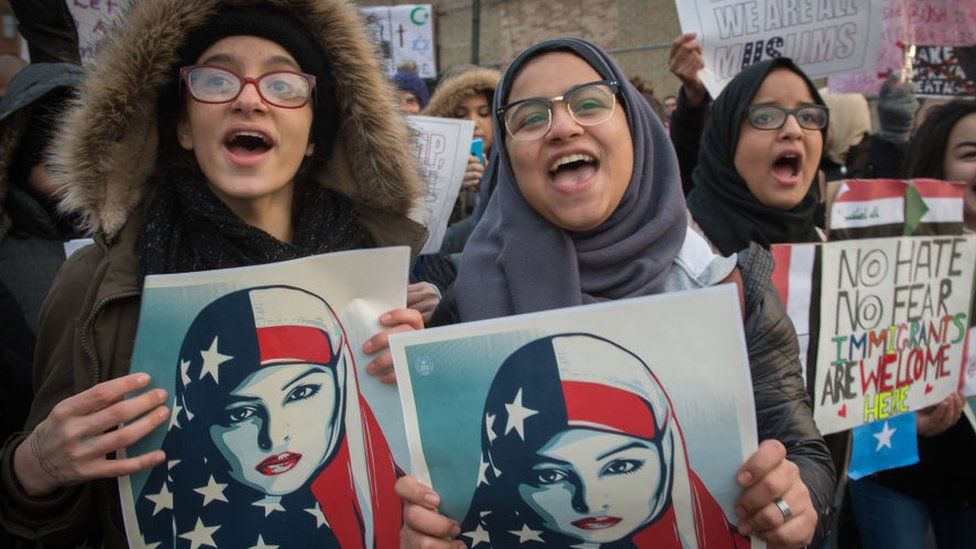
point(93, 18)
point(442, 151)
point(404, 33)
point(906, 22)
point(277, 436)
point(643, 406)
point(822, 37)
point(893, 319)
point(944, 71)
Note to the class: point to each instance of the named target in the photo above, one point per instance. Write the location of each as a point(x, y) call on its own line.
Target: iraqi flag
point(796, 277)
point(872, 208)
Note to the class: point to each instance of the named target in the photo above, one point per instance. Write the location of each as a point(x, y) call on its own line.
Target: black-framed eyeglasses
point(773, 117)
point(215, 85)
point(589, 104)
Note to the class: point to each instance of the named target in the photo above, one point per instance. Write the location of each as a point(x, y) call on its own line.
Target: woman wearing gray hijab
point(588, 207)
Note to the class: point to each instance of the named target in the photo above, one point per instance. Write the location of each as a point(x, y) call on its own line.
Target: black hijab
point(518, 262)
point(720, 202)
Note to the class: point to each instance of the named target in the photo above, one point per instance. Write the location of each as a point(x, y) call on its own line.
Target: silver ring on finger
point(783, 508)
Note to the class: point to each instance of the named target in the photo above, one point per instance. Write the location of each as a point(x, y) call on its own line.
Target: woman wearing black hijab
point(588, 207)
point(759, 158)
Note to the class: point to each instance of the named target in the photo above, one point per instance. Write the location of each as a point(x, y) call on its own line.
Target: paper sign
point(404, 33)
point(276, 436)
point(93, 18)
point(518, 422)
point(821, 37)
point(944, 71)
point(442, 147)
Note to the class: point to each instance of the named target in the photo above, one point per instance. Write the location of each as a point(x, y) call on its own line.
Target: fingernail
point(744, 478)
point(740, 511)
point(160, 394)
point(142, 379)
point(456, 531)
point(368, 347)
point(386, 317)
point(432, 499)
point(371, 368)
point(161, 413)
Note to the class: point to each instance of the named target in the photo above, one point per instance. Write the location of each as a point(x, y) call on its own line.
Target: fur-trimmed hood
point(32, 83)
point(107, 151)
point(451, 92)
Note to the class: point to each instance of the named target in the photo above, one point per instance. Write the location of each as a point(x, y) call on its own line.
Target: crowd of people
point(222, 133)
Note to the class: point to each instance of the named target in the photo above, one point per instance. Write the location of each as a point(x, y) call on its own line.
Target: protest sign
point(92, 20)
point(276, 433)
point(442, 148)
point(822, 37)
point(905, 22)
point(508, 418)
point(893, 319)
point(404, 33)
point(944, 71)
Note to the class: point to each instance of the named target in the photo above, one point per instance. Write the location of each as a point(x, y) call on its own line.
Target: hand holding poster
point(518, 423)
point(276, 434)
point(822, 37)
point(443, 146)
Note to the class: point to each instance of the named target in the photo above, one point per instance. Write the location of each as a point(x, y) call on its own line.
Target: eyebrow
point(547, 459)
point(232, 60)
point(966, 144)
point(305, 374)
point(621, 449)
point(234, 399)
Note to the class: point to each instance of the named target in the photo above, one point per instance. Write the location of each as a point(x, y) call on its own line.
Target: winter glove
point(896, 108)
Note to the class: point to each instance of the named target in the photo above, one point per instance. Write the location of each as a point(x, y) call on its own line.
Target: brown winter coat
point(451, 92)
point(107, 155)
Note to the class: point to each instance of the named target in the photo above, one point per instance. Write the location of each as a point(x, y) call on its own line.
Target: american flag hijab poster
point(277, 437)
point(615, 423)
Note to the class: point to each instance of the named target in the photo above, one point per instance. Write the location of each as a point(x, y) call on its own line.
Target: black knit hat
point(285, 30)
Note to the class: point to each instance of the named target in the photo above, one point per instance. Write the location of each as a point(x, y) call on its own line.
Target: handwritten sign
point(893, 319)
point(822, 36)
point(442, 148)
point(946, 22)
point(92, 20)
point(944, 71)
point(404, 33)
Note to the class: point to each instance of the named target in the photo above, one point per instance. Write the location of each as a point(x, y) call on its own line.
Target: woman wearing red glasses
point(210, 134)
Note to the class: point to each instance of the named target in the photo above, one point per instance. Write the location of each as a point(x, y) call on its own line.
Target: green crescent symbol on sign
point(419, 15)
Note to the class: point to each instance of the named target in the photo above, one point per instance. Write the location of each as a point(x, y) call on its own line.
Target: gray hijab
point(518, 262)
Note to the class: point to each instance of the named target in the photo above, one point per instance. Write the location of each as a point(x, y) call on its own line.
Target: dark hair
point(928, 148)
point(646, 89)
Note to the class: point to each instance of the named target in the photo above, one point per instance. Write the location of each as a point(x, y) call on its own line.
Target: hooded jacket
point(454, 90)
point(107, 155)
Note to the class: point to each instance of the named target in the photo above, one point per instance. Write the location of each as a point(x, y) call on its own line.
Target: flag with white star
point(882, 445)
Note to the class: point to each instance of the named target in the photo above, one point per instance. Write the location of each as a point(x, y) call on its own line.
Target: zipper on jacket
point(86, 343)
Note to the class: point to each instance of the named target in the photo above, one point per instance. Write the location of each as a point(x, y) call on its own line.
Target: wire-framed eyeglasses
point(589, 104)
point(215, 85)
point(773, 117)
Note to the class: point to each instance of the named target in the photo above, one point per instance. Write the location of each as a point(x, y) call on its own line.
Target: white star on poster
point(517, 415)
point(490, 427)
point(527, 534)
point(478, 535)
point(482, 473)
point(213, 491)
point(201, 535)
point(212, 359)
point(174, 417)
point(162, 500)
point(173, 463)
point(261, 545)
point(884, 437)
point(319, 516)
point(270, 504)
point(185, 372)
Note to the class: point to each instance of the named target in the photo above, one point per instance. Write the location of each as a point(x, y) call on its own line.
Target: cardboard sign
point(821, 37)
point(277, 435)
point(515, 420)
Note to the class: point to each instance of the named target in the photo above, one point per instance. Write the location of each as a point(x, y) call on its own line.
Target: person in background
point(10, 65)
point(566, 118)
point(646, 89)
point(692, 105)
point(895, 508)
point(850, 126)
point(896, 113)
point(760, 155)
point(32, 232)
point(206, 136)
point(411, 89)
point(670, 103)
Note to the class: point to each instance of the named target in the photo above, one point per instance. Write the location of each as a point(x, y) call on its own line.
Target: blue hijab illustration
point(581, 448)
point(269, 443)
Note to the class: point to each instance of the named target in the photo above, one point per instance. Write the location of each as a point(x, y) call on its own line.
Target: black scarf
point(720, 201)
point(190, 229)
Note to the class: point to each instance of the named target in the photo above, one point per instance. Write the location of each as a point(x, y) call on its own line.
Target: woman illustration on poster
point(268, 437)
point(580, 447)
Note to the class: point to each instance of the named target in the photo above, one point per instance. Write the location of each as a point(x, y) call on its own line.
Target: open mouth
point(786, 167)
point(248, 143)
point(279, 463)
point(570, 170)
point(596, 523)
